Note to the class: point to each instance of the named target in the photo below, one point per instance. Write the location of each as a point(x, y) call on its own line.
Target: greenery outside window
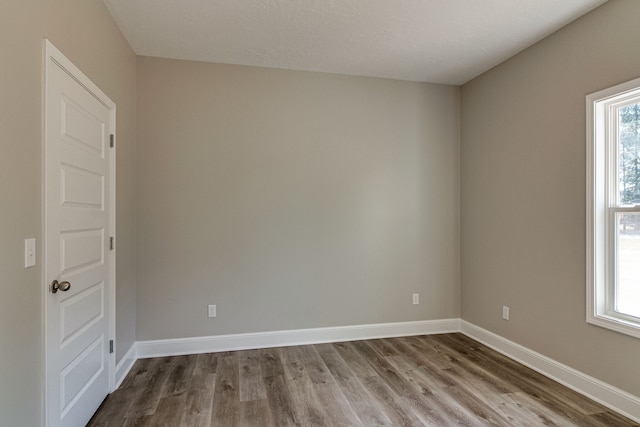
point(613, 208)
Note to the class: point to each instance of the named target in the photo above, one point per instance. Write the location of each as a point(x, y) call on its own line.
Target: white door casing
point(78, 222)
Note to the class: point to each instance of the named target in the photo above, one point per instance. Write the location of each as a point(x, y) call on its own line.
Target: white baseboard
point(249, 341)
point(608, 395)
point(125, 364)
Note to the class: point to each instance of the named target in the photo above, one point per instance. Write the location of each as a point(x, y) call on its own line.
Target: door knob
point(62, 286)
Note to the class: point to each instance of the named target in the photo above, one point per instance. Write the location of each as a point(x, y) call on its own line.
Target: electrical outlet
point(505, 312)
point(212, 310)
point(416, 298)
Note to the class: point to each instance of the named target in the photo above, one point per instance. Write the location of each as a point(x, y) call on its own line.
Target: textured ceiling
point(439, 41)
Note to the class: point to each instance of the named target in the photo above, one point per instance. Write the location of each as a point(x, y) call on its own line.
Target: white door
point(78, 224)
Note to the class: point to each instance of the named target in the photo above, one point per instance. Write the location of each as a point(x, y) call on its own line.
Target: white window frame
point(602, 206)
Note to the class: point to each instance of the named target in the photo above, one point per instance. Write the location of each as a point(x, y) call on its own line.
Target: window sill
point(615, 324)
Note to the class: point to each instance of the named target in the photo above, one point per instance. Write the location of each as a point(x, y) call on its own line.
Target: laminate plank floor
point(433, 380)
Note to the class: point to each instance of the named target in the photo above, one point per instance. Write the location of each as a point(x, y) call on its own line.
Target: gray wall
point(84, 31)
point(523, 192)
point(292, 199)
point(297, 200)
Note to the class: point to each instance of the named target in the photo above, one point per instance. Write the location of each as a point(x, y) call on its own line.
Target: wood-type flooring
point(433, 380)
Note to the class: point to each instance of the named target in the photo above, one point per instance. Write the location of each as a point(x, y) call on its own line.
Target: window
point(613, 208)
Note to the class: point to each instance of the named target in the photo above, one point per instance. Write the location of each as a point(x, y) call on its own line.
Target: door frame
point(52, 54)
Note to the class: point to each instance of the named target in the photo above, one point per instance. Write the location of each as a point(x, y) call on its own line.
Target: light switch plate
point(29, 253)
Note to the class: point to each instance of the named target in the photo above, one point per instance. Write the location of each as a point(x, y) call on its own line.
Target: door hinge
point(110, 346)
point(112, 141)
point(110, 243)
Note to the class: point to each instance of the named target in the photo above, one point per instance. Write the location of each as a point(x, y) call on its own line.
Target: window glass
point(629, 154)
point(628, 262)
